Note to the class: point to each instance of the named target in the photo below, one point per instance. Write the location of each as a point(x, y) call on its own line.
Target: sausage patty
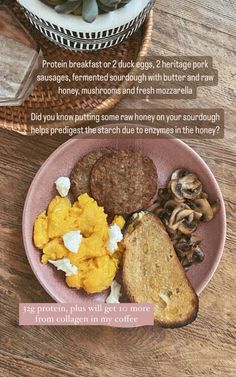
point(80, 175)
point(123, 182)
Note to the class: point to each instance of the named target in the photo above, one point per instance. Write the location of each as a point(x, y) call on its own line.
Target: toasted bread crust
point(134, 292)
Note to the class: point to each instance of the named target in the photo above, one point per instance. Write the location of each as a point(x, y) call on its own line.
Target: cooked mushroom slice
point(187, 227)
point(197, 216)
point(187, 241)
point(171, 205)
point(172, 233)
point(215, 206)
point(183, 245)
point(195, 240)
point(164, 194)
point(187, 263)
point(188, 251)
point(176, 189)
point(192, 205)
point(198, 255)
point(191, 186)
point(181, 255)
point(153, 207)
point(204, 195)
point(163, 215)
point(185, 213)
point(158, 211)
point(187, 187)
point(175, 236)
point(203, 206)
point(182, 219)
point(173, 222)
point(179, 173)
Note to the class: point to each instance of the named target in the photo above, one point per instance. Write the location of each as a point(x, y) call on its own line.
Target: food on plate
point(65, 266)
point(115, 293)
point(152, 273)
point(154, 243)
point(95, 274)
point(114, 237)
point(80, 175)
point(41, 237)
point(76, 238)
point(124, 181)
point(63, 186)
point(182, 206)
point(72, 240)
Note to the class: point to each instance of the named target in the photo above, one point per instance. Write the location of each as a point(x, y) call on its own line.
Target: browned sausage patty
point(80, 175)
point(123, 182)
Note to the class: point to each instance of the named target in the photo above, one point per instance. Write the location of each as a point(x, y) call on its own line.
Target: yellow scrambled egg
point(96, 267)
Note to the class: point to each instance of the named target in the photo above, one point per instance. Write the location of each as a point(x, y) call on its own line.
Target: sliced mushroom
point(170, 205)
point(173, 222)
point(191, 186)
point(185, 213)
point(163, 215)
point(187, 228)
point(195, 240)
point(183, 245)
point(215, 206)
point(153, 207)
point(179, 173)
point(187, 262)
point(192, 205)
point(197, 216)
point(176, 189)
point(198, 255)
point(203, 206)
point(204, 195)
point(181, 206)
point(188, 251)
point(187, 187)
point(164, 195)
point(182, 219)
point(175, 235)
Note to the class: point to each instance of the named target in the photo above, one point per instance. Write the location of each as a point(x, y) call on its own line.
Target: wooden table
point(205, 348)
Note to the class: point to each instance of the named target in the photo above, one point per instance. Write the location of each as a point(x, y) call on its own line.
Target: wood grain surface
point(205, 348)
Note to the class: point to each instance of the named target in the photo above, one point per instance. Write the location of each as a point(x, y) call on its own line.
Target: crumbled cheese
point(72, 240)
point(114, 236)
point(138, 215)
point(65, 266)
point(115, 294)
point(63, 186)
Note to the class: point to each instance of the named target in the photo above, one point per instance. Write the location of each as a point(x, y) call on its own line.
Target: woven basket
point(15, 118)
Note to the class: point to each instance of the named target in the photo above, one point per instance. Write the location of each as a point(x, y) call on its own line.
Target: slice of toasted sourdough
point(153, 274)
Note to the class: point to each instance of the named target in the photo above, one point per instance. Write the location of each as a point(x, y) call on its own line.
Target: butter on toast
point(153, 274)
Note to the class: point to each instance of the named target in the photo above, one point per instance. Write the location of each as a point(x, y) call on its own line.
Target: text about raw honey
point(185, 123)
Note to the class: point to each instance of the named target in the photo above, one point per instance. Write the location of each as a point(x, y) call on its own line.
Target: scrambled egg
point(96, 267)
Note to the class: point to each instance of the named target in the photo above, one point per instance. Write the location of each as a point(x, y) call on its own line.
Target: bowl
point(168, 155)
point(73, 33)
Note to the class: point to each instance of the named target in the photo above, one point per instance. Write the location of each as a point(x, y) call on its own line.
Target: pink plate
point(167, 154)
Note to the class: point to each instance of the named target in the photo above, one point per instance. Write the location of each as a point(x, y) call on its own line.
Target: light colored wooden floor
point(207, 347)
